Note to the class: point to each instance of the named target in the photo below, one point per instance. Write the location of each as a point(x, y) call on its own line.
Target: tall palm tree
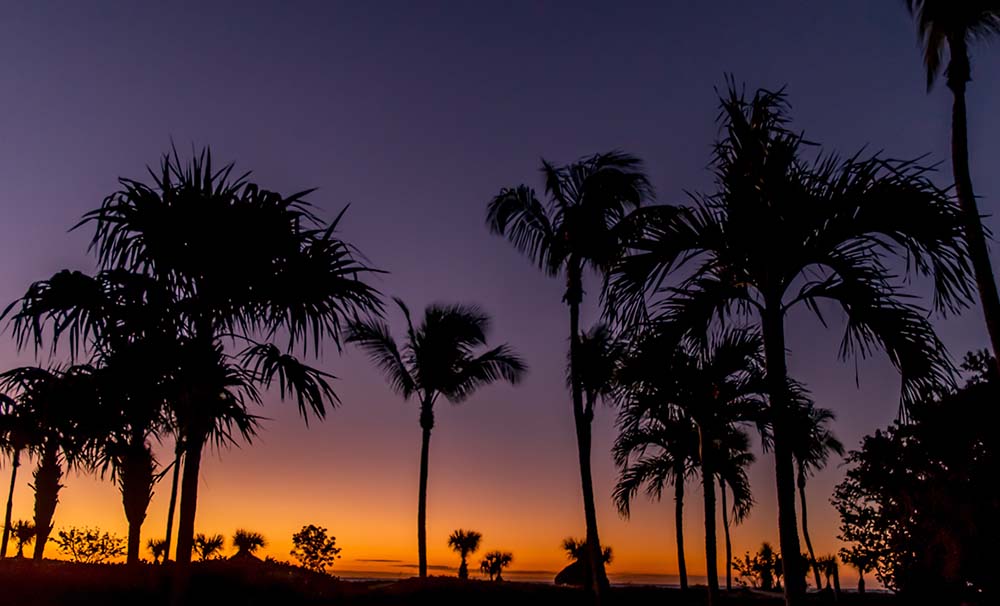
point(715, 385)
point(781, 232)
point(580, 227)
point(54, 399)
point(955, 25)
point(655, 448)
point(439, 358)
point(812, 444)
point(239, 261)
point(734, 459)
point(16, 436)
point(465, 542)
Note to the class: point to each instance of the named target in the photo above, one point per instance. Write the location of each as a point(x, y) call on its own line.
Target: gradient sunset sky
point(415, 114)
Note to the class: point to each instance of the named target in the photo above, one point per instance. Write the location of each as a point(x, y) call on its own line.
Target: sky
point(415, 114)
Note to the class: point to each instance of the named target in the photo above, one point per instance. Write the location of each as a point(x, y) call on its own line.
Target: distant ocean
point(531, 576)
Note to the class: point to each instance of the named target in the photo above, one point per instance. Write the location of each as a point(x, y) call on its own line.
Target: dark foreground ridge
point(251, 582)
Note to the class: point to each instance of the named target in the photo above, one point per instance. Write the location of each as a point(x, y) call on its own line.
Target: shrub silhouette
point(313, 549)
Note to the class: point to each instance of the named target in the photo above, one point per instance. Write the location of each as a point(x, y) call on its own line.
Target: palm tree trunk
point(773, 333)
point(679, 528)
point(137, 491)
point(178, 455)
point(15, 463)
point(836, 579)
point(47, 477)
point(189, 498)
point(426, 424)
point(711, 554)
point(725, 530)
point(805, 525)
point(574, 296)
point(958, 76)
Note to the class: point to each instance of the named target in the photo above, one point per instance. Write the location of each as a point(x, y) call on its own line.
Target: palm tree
point(55, 399)
point(580, 227)
point(125, 322)
point(465, 542)
point(208, 546)
point(247, 542)
point(715, 385)
point(157, 548)
point(782, 231)
point(734, 459)
point(655, 448)
point(579, 571)
point(955, 25)
point(812, 444)
point(16, 436)
point(24, 533)
point(437, 359)
point(239, 261)
point(494, 563)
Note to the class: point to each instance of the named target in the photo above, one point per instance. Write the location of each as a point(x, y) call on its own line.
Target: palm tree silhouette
point(240, 261)
point(579, 228)
point(23, 532)
point(157, 548)
point(208, 546)
point(734, 457)
point(55, 400)
point(465, 542)
point(247, 542)
point(437, 359)
point(941, 24)
point(778, 218)
point(655, 448)
point(812, 444)
point(127, 324)
point(16, 436)
point(716, 386)
point(579, 571)
point(494, 563)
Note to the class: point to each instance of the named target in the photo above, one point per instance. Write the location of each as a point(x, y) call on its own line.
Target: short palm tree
point(955, 25)
point(578, 551)
point(438, 359)
point(580, 227)
point(239, 261)
point(157, 548)
point(23, 532)
point(465, 542)
point(781, 232)
point(247, 542)
point(208, 546)
point(655, 448)
point(55, 399)
point(494, 563)
point(715, 387)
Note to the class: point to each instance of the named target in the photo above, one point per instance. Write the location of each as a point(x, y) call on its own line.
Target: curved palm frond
point(310, 386)
point(374, 338)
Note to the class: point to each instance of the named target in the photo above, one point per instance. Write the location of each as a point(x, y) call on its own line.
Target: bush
point(89, 545)
point(313, 549)
point(921, 506)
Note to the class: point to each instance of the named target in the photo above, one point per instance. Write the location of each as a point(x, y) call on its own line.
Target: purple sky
point(415, 114)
